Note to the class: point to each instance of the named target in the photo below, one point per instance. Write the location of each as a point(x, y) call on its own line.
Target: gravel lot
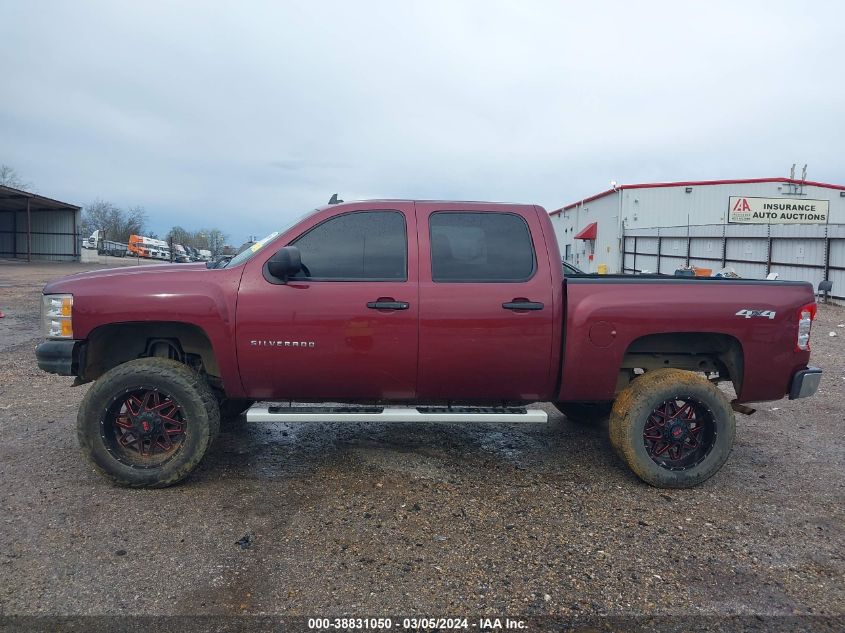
point(415, 519)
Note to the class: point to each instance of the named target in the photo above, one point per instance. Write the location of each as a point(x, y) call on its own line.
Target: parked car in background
point(570, 270)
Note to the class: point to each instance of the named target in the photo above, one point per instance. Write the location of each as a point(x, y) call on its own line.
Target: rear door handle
point(387, 304)
point(523, 305)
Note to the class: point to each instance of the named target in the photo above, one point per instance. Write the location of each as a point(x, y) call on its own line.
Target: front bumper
point(805, 383)
point(59, 357)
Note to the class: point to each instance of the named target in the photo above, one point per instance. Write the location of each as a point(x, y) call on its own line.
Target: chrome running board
point(448, 415)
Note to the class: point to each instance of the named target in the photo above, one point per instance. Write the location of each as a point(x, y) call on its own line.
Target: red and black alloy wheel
point(144, 427)
point(679, 433)
point(674, 428)
point(148, 422)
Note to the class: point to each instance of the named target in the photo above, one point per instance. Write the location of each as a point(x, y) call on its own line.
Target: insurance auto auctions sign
point(747, 210)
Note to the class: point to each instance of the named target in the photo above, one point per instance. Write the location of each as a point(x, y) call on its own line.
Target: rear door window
point(480, 247)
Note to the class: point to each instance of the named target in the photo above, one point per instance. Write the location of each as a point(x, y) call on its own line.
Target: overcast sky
point(245, 114)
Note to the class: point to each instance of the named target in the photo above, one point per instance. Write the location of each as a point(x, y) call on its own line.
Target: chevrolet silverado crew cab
point(412, 310)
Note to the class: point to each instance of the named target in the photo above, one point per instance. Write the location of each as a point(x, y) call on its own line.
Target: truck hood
point(183, 293)
point(127, 274)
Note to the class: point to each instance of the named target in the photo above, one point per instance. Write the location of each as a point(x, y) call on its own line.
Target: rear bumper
point(805, 383)
point(59, 357)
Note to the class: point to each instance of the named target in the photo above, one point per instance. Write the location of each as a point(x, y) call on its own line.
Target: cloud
point(244, 115)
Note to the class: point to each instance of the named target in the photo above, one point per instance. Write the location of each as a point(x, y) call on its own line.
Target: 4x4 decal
point(766, 314)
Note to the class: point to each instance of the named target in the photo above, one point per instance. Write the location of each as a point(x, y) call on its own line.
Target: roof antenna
point(792, 172)
point(804, 173)
point(334, 199)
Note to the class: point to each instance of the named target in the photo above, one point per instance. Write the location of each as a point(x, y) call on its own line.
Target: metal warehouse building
point(33, 227)
point(758, 226)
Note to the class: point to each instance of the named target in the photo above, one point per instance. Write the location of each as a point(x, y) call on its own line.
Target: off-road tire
point(231, 409)
point(184, 385)
point(587, 413)
point(635, 405)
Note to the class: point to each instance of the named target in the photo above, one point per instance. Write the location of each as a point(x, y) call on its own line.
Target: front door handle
point(523, 305)
point(387, 303)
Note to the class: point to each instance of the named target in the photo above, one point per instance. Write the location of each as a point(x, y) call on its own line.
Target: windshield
point(252, 250)
point(247, 253)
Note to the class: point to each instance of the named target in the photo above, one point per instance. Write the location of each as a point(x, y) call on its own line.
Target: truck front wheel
point(147, 423)
point(673, 428)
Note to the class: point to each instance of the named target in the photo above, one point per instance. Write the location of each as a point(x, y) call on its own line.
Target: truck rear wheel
point(148, 422)
point(673, 428)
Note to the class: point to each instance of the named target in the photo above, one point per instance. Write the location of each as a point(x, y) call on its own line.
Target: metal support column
point(75, 238)
point(768, 249)
point(28, 232)
point(634, 264)
point(659, 250)
point(826, 253)
point(15, 233)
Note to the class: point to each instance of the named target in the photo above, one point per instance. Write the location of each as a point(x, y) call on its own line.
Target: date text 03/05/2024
point(416, 624)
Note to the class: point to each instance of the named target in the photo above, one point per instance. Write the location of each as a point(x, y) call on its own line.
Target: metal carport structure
point(37, 227)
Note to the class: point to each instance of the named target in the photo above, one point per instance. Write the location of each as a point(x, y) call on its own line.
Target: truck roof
point(425, 200)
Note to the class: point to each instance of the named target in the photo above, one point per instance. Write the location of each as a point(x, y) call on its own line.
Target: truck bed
point(611, 316)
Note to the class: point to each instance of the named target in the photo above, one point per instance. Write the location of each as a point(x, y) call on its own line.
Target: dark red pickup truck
point(432, 311)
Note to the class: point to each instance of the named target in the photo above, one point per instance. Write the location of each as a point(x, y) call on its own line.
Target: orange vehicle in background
point(148, 247)
point(137, 247)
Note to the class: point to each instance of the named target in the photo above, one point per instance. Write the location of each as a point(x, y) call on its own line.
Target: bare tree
point(99, 215)
point(136, 221)
point(178, 235)
point(216, 241)
point(210, 239)
point(117, 224)
point(9, 177)
point(199, 239)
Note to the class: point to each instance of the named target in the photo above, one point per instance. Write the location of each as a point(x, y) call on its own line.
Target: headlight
point(57, 316)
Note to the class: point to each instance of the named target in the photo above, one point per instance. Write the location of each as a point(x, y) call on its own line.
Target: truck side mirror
point(285, 263)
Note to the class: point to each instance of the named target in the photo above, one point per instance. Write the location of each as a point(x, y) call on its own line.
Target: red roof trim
point(589, 232)
point(590, 199)
point(693, 183)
